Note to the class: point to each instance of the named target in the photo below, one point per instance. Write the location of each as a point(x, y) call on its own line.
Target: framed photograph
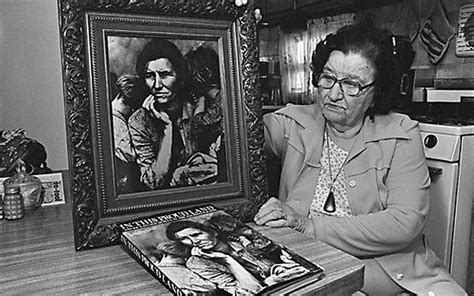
point(163, 110)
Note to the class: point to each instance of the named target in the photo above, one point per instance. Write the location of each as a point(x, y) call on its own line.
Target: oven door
point(440, 226)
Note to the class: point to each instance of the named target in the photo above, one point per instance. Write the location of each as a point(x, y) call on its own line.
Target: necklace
point(330, 203)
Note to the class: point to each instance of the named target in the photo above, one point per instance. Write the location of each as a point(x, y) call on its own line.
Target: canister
point(13, 206)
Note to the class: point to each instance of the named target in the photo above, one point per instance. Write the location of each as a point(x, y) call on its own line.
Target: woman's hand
point(282, 272)
point(195, 251)
point(149, 104)
point(274, 213)
point(198, 169)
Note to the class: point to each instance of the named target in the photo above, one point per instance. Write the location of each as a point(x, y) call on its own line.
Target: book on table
point(205, 251)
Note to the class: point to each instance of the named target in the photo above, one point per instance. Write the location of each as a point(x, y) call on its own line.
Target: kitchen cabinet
point(276, 6)
point(278, 12)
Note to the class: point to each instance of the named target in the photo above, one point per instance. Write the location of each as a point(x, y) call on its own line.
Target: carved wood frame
point(91, 229)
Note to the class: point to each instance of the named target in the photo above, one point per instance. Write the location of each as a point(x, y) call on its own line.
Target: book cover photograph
point(205, 251)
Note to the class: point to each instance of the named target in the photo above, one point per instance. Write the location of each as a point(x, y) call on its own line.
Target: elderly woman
point(353, 174)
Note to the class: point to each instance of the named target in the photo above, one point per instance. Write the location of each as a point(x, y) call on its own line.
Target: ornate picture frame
point(90, 32)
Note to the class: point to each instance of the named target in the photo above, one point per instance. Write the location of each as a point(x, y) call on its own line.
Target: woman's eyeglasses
point(348, 86)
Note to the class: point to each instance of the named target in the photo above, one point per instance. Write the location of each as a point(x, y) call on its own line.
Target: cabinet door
point(274, 6)
point(302, 3)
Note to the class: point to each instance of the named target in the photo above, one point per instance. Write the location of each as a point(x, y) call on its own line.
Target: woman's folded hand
point(274, 213)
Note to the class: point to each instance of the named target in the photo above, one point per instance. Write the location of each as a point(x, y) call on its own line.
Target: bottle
point(1, 207)
point(276, 96)
point(13, 206)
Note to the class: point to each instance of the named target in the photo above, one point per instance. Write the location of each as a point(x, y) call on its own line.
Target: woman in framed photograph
point(156, 128)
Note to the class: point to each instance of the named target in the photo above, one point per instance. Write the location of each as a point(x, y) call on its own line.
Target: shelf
point(271, 108)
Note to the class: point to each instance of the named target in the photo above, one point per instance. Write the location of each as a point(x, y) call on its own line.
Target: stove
point(447, 129)
point(449, 126)
point(449, 150)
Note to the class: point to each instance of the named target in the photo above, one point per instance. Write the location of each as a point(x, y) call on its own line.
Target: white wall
point(31, 93)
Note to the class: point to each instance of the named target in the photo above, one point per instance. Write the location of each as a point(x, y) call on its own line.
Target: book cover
point(205, 251)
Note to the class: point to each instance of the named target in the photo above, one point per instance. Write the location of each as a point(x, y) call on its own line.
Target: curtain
point(294, 58)
point(296, 50)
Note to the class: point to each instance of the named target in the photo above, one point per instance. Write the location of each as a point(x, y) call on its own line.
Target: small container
point(13, 206)
point(31, 188)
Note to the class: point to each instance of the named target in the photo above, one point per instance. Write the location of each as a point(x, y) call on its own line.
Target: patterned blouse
point(338, 158)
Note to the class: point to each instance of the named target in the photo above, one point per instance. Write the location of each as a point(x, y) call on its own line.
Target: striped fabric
point(469, 30)
point(436, 33)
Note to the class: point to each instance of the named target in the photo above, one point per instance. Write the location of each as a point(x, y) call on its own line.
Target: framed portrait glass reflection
point(168, 111)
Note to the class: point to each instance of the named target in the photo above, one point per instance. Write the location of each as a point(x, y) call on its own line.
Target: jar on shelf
point(30, 187)
point(13, 207)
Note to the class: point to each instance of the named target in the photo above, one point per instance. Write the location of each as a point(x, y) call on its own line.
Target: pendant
point(330, 204)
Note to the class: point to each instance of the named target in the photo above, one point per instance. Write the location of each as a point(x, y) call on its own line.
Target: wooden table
point(37, 257)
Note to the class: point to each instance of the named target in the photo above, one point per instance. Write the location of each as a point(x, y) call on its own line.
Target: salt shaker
point(30, 187)
point(13, 206)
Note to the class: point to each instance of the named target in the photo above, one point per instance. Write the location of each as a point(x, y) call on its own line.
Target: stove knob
point(430, 141)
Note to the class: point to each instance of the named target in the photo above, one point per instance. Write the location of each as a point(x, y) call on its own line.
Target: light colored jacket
point(387, 185)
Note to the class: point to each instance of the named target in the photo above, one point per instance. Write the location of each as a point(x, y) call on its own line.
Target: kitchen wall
point(402, 18)
point(451, 66)
point(31, 93)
